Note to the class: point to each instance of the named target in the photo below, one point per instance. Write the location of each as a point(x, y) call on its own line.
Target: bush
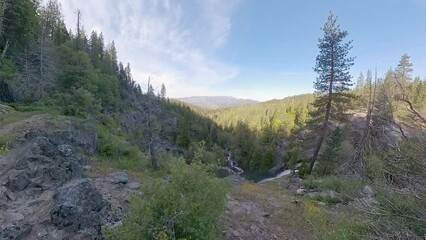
point(347, 187)
point(119, 152)
point(5, 142)
point(375, 168)
point(186, 207)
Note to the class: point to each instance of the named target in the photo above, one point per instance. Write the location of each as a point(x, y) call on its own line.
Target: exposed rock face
point(18, 180)
point(44, 193)
point(78, 206)
point(14, 230)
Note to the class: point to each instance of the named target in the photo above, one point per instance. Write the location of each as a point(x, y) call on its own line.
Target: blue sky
point(259, 49)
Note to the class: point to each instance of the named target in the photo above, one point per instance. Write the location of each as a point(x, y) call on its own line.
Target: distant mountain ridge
point(216, 102)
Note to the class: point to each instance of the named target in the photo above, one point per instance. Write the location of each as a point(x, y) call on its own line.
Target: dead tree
point(363, 144)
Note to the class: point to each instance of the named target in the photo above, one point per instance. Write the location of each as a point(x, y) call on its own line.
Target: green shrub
point(311, 183)
point(374, 168)
point(347, 187)
point(188, 206)
point(119, 152)
point(5, 142)
point(329, 158)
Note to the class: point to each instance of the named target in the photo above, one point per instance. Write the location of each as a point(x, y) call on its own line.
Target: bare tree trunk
point(361, 149)
point(6, 46)
point(41, 83)
point(412, 110)
point(27, 70)
point(151, 146)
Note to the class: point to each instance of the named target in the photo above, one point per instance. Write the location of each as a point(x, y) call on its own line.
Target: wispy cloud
point(172, 41)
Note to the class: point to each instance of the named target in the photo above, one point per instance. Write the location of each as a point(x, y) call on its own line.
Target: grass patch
point(5, 142)
point(347, 187)
point(13, 117)
point(34, 108)
point(330, 224)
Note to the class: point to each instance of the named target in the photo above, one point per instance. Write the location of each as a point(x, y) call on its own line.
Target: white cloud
point(172, 41)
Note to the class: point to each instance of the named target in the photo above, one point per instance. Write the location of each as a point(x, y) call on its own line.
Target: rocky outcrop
point(78, 206)
point(44, 193)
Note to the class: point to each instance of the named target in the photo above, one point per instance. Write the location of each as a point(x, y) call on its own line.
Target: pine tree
point(334, 80)
point(403, 80)
point(163, 91)
point(19, 26)
point(360, 83)
point(329, 157)
point(404, 69)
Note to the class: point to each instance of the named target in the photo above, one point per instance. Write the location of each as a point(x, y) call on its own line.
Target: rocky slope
point(45, 192)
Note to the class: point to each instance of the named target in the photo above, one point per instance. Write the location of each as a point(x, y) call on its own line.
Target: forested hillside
point(45, 66)
point(73, 77)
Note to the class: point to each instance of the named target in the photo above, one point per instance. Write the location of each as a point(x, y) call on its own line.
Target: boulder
point(118, 178)
point(313, 195)
point(367, 191)
point(133, 186)
point(18, 180)
point(331, 196)
point(14, 231)
point(78, 206)
point(300, 191)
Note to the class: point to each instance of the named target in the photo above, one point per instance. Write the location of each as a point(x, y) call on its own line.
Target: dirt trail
point(22, 126)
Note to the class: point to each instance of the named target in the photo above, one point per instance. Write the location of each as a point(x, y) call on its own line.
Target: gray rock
point(42, 233)
point(14, 217)
point(331, 196)
point(3, 190)
point(31, 192)
point(84, 139)
point(87, 168)
point(18, 180)
point(300, 191)
point(10, 195)
point(367, 191)
point(14, 231)
point(133, 186)
point(118, 177)
point(313, 195)
point(65, 150)
point(78, 206)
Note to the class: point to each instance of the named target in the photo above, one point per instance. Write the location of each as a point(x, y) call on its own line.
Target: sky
point(257, 49)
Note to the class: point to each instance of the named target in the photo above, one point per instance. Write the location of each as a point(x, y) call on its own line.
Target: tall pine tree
point(334, 80)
